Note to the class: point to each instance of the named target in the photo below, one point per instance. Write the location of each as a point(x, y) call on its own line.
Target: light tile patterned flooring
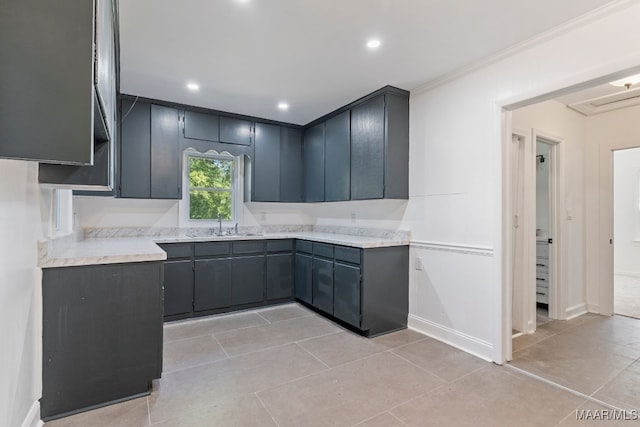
point(287, 366)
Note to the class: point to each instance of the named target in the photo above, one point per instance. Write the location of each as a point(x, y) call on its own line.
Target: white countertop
point(113, 250)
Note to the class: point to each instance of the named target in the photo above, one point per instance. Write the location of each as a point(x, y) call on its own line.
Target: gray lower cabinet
point(212, 284)
point(178, 287)
point(303, 277)
point(313, 163)
point(279, 276)
point(247, 279)
point(322, 284)
point(101, 335)
point(347, 293)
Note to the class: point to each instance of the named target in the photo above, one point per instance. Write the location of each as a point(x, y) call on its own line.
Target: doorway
point(626, 232)
point(544, 229)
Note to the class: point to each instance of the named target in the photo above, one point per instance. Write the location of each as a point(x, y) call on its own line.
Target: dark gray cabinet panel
point(178, 287)
point(212, 248)
point(347, 292)
point(235, 131)
point(291, 178)
point(279, 276)
point(303, 277)
point(322, 283)
point(367, 149)
point(248, 247)
point(201, 126)
point(396, 167)
point(165, 156)
point(266, 165)
point(212, 284)
point(47, 81)
point(247, 279)
point(337, 164)
point(313, 163)
point(101, 335)
point(135, 149)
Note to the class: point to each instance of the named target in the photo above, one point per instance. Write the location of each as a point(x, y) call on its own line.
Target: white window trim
point(236, 184)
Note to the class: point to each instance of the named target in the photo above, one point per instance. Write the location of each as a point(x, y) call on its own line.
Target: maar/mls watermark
point(607, 415)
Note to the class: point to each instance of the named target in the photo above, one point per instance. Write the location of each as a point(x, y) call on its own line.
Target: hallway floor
point(626, 296)
point(287, 366)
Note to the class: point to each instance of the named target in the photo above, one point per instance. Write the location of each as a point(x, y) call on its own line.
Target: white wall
point(24, 214)
point(626, 209)
point(455, 211)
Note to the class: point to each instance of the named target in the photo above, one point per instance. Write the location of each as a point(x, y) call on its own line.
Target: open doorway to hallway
point(626, 232)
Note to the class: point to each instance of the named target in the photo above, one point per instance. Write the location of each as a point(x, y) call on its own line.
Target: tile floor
point(626, 296)
point(287, 366)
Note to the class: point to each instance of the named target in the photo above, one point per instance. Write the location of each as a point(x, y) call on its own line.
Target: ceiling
point(248, 55)
point(601, 98)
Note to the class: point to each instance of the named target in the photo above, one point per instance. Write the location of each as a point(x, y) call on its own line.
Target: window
point(211, 184)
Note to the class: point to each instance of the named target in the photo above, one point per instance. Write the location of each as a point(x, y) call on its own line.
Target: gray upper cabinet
point(266, 167)
point(235, 131)
point(291, 165)
point(149, 152)
point(105, 69)
point(337, 179)
point(367, 150)
point(313, 163)
point(201, 126)
point(380, 147)
point(48, 106)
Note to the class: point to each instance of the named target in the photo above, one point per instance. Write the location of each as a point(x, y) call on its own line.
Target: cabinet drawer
point(177, 250)
point(304, 246)
point(212, 248)
point(248, 247)
point(323, 250)
point(285, 245)
point(351, 255)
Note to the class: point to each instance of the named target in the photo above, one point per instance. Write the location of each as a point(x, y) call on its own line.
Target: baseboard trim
point(593, 308)
point(457, 339)
point(33, 416)
point(575, 311)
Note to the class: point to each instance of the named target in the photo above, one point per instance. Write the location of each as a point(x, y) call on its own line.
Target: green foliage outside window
point(210, 188)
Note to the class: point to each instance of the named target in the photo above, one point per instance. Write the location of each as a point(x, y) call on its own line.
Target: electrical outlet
point(418, 263)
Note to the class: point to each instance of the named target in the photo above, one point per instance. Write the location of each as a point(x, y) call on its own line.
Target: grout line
point(420, 367)
point(265, 319)
point(313, 355)
point(561, 387)
point(399, 420)
point(266, 409)
point(220, 344)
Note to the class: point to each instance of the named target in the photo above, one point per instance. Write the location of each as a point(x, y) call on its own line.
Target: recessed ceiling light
point(373, 44)
point(627, 81)
point(193, 87)
point(283, 106)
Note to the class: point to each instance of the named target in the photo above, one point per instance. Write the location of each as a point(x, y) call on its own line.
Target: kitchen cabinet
point(347, 293)
point(49, 109)
point(322, 284)
point(212, 284)
point(201, 126)
point(380, 147)
point(291, 177)
point(303, 277)
point(178, 279)
point(337, 165)
point(279, 269)
point(150, 159)
point(313, 163)
point(247, 279)
point(266, 165)
point(235, 131)
point(101, 335)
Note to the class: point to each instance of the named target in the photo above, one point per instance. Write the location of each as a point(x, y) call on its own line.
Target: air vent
point(613, 101)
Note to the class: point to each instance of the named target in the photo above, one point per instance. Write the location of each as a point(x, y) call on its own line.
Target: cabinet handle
point(539, 293)
point(540, 265)
point(540, 278)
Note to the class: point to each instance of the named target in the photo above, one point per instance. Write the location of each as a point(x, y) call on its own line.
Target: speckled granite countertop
point(110, 246)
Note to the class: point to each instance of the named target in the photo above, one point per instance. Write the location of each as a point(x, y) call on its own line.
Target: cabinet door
point(247, 279)
point(266, 163)
point(291, 165)
point(347, 293)
point(165, 157)
point(135, 149)
point(212, 284)
point(235, 131)
point(323, 284)
point(314, 163)
point(303, 278)
point(178, 287)
point(105, 67)
point(201, 126)
point(367, 150)
point(337, 164)
point(279, 276)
